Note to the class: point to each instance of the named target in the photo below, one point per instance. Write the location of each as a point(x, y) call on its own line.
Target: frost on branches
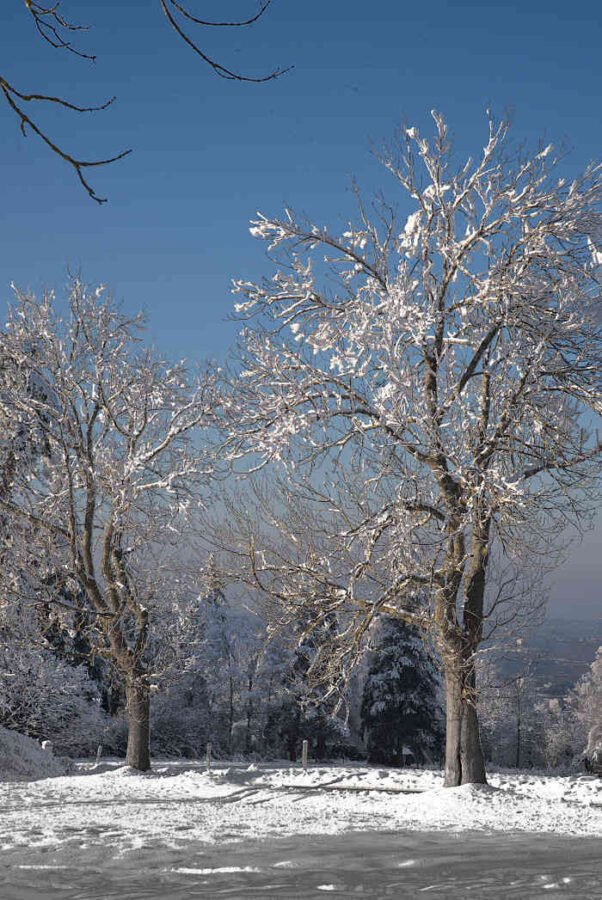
point(585, 703)
point(41, 694)
point(451, 361)
point(97, 520)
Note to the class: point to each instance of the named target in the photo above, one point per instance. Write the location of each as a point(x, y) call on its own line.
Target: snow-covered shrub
point(45, 697)
point(559, 744)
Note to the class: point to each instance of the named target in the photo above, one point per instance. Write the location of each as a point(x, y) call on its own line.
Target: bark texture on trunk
point(471, 752)
point(138, 705)
point(464, 760)
point(453, 730)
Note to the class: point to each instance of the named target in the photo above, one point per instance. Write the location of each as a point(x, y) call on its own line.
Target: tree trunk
point(453, 727)
point(138, 706)
point(464, 761)
point(230, 714)
point(473, 762)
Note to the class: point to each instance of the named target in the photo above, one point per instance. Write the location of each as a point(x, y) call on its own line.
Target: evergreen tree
point(304, 715)
point(401, 709)
point(305, 711)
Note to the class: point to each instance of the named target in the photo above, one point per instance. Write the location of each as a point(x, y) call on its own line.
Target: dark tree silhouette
point(400, 703)
point(60, 33)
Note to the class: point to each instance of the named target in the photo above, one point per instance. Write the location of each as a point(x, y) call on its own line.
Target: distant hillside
point(559, 652)
point(564, 651)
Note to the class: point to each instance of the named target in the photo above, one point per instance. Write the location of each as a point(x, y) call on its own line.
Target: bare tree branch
point(57, 31)
point(49, 24)
point(218, 68)
point(79, 165)
point(188, 15)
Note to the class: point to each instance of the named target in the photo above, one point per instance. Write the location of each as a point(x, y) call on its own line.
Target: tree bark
point(138, 706)
point(464, 760)
point(248, 742)
point(453, 729)
point(465, 763)
point(471, 751)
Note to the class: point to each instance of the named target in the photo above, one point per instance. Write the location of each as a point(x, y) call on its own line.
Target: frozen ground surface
point(370, 865)
point(276, 831)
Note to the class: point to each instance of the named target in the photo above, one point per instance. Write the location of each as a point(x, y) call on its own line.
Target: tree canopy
point(449, 364)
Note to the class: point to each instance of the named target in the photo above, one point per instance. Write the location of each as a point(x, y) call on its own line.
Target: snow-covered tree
point(558, 744)
point(450, 362)
point(513, 717)
point(41, 694)
point(526, 723)
point(585, 704)
point(401, 705)
point(220, 677)
point(21, 436)
point(182, 722)
point(108, 505)
point(302, 709)
point(234, 641)
point(262, 694)
point(588, 694)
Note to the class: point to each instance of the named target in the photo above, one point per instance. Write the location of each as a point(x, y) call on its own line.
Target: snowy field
point(278, 831)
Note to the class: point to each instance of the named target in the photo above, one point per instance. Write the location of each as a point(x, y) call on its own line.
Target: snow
point(218, 870)
point(22, 758)
point(106, 832)
point(177, 803)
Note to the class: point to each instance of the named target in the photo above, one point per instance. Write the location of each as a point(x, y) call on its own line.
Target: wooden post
point(208, 757)
point(98, 754)
point(304, 750)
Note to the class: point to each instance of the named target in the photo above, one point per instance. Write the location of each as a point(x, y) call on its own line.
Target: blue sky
point(208, 153)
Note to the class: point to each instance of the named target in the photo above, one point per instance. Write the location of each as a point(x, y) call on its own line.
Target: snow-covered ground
point(179, 802)
point(180, 826)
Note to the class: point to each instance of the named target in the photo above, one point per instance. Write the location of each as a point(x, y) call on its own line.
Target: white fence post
point(208, 757)
point(98, 754)
point(304, 750)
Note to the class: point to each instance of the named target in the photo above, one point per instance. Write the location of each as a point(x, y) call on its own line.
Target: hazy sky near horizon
point(209, 153)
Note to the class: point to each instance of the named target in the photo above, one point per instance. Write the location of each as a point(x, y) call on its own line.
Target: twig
point(10, 93)
point(217, 67)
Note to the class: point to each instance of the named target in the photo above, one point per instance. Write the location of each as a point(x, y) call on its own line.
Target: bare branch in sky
point(58, 32)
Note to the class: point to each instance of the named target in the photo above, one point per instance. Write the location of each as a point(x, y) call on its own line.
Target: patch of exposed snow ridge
point(22, 759)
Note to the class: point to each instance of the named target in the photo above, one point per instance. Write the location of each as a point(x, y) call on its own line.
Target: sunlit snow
point(278, 830)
